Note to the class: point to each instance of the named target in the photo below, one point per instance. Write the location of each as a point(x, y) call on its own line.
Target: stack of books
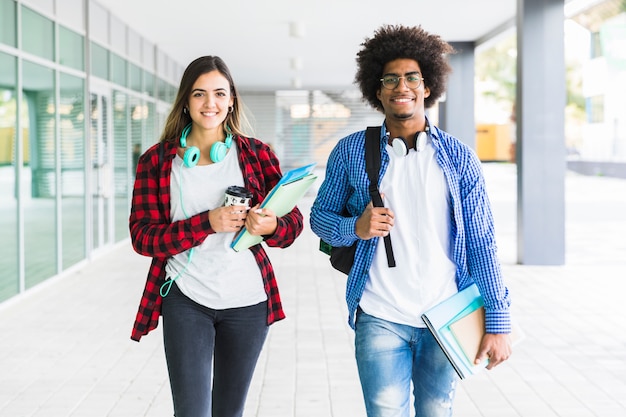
point(458, 325)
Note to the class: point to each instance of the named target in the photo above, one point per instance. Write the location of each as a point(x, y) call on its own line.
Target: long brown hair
point(178, 118)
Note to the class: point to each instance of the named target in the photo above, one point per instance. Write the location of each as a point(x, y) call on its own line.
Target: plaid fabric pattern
point(153, 234)
point(472, 237)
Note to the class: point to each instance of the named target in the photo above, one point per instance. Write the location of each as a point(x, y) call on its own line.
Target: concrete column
point(540, 106)
point(456, 112)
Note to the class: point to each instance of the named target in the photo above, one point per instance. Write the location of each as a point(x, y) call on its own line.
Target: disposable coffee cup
point(237, 196)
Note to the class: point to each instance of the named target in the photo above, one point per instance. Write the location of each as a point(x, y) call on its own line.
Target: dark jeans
point(197, 338)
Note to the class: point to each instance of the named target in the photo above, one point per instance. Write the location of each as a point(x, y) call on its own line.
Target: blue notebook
point(458, 325)
point(281, 200)
point(439, 319)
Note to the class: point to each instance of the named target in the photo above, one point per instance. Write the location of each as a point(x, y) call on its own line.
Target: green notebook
point(281, 200)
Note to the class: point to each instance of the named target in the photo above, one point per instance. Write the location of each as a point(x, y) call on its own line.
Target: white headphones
point(401, 148)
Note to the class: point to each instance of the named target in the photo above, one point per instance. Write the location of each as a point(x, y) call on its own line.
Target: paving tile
point(65, 349)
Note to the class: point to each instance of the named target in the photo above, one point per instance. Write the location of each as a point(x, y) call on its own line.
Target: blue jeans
point(198, 340)
point(389, 357)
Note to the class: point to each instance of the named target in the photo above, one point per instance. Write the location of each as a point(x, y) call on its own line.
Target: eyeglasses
point(411, 81)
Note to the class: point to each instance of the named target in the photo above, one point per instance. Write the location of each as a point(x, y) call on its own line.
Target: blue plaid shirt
point(471, 233)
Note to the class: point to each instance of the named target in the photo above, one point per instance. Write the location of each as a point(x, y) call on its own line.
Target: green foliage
point(497, 66)
point(574, 86)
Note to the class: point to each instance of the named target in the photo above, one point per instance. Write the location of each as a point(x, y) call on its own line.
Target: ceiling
point(253, 36)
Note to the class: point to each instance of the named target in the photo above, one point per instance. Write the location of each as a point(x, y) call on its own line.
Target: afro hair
point(391, 42)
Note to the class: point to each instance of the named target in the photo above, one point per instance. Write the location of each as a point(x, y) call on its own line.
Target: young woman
point(216, 303)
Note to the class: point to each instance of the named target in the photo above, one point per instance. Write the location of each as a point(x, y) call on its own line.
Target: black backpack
point(342, 257)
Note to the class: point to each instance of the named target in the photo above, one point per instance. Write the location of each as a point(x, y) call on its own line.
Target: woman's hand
point(228, 218)
point(261, 222)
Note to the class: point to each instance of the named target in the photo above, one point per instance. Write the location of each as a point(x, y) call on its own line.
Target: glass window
point(121, 163)
point(72, 140)
point(148, 86)
point(150, 135)
point(162, 89)
point(38, 184)
point(137, 116)
point(71, 52)
point(37, 34)
point(101, 174)
point(7, 23)
point(136, 78)
point(595, 109)
point(99, 61)
point(9, 278)
point(118, 70)
point(167, 67)
point(596, 45)
point(172, 90)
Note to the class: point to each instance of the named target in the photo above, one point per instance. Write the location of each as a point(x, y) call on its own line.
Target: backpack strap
point(372, 166)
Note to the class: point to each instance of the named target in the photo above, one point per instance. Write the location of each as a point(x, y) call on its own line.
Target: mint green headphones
point(217, 153)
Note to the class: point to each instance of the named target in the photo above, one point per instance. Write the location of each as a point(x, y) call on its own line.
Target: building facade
point(81, 95)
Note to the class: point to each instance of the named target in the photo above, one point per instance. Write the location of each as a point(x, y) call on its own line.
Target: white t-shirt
point(217, 277)
point(415, 189)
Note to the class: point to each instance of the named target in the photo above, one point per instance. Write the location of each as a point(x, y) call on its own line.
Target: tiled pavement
point(65, 347)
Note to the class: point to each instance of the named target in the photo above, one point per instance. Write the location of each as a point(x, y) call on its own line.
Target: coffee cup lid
point(238, 191)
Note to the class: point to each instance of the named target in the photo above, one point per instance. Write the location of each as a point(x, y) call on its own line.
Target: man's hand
point(374, 221)
point(496, 348)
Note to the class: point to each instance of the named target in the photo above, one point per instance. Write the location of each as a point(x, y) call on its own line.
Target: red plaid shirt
point(153, 234)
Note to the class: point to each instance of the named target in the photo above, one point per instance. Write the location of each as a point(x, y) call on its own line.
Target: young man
point(438, 216)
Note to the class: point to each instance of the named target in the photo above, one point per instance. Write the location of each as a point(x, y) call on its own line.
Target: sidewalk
point(65, 347)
